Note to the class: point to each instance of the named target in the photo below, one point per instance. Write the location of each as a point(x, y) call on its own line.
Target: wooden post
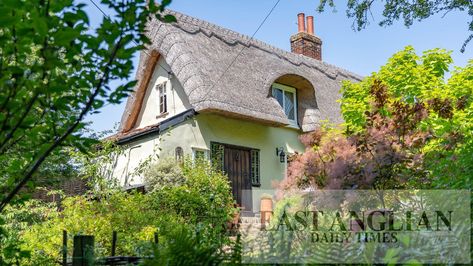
point(64, 248)
point(83, 251)
point(114, 243)
point(156, 238)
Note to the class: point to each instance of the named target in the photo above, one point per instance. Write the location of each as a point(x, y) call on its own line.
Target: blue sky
point(360, 52)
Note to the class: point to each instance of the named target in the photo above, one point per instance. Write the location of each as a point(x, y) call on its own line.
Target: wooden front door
point(236, 165)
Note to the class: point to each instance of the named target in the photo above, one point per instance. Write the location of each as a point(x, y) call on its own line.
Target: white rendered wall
point(177, 101)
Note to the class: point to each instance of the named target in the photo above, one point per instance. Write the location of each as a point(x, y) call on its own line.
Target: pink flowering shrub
point(385, 155)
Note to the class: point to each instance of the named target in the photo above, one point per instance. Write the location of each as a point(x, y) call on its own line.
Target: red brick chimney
point(305, 42)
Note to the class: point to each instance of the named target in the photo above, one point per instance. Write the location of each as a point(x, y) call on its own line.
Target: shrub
point(200, 202)
point(204, 195)
point(166, 172)
point(15, 220)
point(128, 214)
point(188, 247)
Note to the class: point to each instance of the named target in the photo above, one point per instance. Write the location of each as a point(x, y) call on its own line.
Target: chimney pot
point(301, 22)
point(310, 25)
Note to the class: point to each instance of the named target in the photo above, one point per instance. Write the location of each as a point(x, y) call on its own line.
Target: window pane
point(162, 98)
point(165, 104)
point(278, 95)
point(199, 155)
point(255, 168)
point(179, 154)
point(289, 104)
point(217, 155)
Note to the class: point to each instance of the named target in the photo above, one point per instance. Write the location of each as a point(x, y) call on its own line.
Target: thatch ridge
point(247, 41)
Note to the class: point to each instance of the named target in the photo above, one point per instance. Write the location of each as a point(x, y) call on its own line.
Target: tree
point(408, 11)
point(54, 70)
point(405, 126)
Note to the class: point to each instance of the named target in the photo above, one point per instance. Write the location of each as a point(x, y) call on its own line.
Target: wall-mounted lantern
point(282, 155)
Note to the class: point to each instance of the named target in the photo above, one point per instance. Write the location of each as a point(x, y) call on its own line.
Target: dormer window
point(286, 97)
point(163, 102)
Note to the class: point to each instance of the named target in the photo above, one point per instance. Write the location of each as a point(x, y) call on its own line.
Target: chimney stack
point(305, 42)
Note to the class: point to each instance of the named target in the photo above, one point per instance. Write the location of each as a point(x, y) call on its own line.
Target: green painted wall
point(253, 135)
point(203, 129)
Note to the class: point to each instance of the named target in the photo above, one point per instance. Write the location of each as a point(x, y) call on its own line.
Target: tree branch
point(28, 175)
point(17, 125)
point(29, 106)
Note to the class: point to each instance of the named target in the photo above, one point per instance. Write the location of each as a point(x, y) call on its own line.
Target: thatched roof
point(199, 52)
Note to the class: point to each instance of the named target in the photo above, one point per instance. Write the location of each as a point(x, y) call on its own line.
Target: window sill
point(162, 115)
point(293, 126)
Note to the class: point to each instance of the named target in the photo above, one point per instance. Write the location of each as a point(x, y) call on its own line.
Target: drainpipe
point(128, 163)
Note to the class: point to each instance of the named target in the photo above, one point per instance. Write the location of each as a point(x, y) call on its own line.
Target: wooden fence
point(83, 252)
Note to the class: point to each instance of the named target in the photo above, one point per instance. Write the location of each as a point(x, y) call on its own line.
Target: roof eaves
point(156, 128)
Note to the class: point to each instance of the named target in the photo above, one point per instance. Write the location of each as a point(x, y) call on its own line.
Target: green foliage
point(97, 165)
point(406, 126)
point(411, 79)
point(165, 173)
point(203, 196)
point(288, 237)
point(56, 169)
point(408, 11)
point(191, 213)
point(128, 214)
point(16, 220)
point(54, 71)
point(189, 248)
point(408, 77)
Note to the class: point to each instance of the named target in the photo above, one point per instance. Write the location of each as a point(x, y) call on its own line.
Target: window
point(216, 155)
point(286, 97)
point(163, 102)
point(199, 154)
point(255, 169)
point(179, 154)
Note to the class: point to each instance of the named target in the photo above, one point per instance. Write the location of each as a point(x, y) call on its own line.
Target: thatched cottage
point(209, 92)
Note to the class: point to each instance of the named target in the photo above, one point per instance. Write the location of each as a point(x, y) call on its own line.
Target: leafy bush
point(201, 202)
point(14, 222)
point(128, 214)
point(204, 195)
point(165, 173)
point(413, 80)
point(188, 247)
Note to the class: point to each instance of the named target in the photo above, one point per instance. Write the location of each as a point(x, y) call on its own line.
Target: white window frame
point(195, 149)
point(162, 94)
point(283, 88)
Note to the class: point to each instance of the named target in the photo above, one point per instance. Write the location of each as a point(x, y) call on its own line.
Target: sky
point(361, 52)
